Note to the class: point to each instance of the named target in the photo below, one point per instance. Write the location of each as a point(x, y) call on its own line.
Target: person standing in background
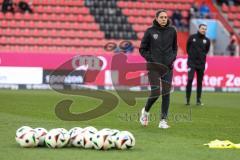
point(198, 46)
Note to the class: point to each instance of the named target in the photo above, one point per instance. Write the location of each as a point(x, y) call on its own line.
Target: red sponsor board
point(221, 71)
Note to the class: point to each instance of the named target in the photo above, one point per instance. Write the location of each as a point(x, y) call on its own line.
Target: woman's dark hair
point(160, 11)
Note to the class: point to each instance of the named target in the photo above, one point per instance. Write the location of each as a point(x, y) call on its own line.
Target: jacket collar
point(200, 35)
point(156, 25)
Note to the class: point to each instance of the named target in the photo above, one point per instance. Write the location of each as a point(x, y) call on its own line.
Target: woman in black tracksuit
point(159, 48)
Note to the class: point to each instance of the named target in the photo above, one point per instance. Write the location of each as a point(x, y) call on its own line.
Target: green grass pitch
point(191, 127)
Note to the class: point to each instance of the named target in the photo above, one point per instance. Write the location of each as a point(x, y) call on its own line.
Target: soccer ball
point(27, 139)
point(21, 132)
point(114, 135)
point(98, 140)
point(63, 130)
point(57, 138)
point(90, 129)
point(65, 135)
point(125, 140)
point(73, 133)
point(109, 138)
point(108, 142)
point(75, 130)
point(40, 134)
point(87, 136)
point(106, 130)
point(105, 139)
point(77, 140)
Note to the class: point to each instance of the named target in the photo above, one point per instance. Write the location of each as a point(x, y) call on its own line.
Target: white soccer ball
point(74, 130)
point(125, 140)
point(108, 142)
point(63, 130)
point(65, 135)
point(40, 134)
point(57, 138)
point(98, 140)
point(106, 130)
point(87, 136)
point(114, 136)
point(73, 133)
point(77, 140)
point(21, 131)
point(28, 139)
point(90, 129)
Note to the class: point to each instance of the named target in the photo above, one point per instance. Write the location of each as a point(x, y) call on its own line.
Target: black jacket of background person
point(159, 44)
point(197, 48)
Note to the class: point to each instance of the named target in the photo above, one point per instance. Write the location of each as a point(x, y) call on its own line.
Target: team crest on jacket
point(204, 41)
point(155, 36)
point(194, 40)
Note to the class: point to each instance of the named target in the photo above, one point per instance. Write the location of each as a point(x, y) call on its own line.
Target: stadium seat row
point(57, 2)
point(148, 13)
point(51, 33)
point(140, 28)
point(47, 17)
point(232, 16)
point(78, 42)
point(70, 3)
point(60, 9)
point(146, 5)
point(49, 25)
point(233, 8)
point(53, 49)
point(140, 20)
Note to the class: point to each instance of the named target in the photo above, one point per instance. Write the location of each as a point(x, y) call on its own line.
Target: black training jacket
point(159, 44)
point(197, 48)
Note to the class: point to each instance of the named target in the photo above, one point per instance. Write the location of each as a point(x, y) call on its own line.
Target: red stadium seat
point(236, 23)
point(140, 35)
point(40, 9)
point(22, 24)
point(231, 16)
point(35, 33)
point(88, 18)
point(58, 9)
point(238, 16)
point(17, 16)
point(31, 24)
point(3, 40)
point(184, 14)
point(9, 16)
point(83, 10)
point(36, 17)
point(233, 8)
point(76, 25)
point(71, 17)
point(26, 16)
point(25, 32)
point(1, 16)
